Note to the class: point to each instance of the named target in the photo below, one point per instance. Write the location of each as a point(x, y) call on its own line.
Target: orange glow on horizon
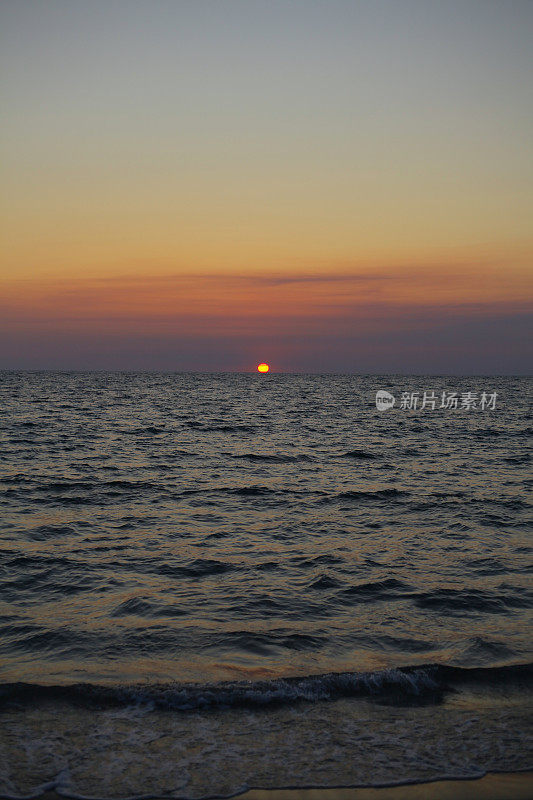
point(263, 367)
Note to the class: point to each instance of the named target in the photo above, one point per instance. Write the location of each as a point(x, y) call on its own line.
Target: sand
point(509, 786)
point(503, 786)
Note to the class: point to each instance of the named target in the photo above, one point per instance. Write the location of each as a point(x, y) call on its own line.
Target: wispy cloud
point(414, 319)
point(329, 295)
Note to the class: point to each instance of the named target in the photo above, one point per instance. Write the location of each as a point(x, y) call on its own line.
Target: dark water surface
point(202, 552)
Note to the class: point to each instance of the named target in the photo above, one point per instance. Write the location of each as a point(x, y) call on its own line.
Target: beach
point(513, 786)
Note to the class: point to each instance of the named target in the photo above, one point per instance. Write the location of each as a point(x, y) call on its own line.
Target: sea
point(215, 582)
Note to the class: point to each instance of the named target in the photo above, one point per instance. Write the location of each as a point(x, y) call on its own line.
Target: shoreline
point(492, 786)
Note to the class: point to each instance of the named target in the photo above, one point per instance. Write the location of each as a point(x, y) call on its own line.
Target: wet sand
point(502, 786)
point(508, 786)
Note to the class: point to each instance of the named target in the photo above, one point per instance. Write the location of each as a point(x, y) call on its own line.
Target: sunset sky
point(325, 185)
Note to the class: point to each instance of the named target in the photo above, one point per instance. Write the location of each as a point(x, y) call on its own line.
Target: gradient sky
point(326, 185)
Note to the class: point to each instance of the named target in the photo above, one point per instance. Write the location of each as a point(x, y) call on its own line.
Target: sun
point(263, 367)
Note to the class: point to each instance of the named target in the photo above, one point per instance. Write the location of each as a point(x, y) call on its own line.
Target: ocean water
point(215, 582)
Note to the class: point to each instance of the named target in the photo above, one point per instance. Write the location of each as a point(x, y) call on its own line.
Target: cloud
point(437, 319)
point(328, 295)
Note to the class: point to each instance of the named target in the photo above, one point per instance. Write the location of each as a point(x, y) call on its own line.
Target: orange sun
point(263, 367)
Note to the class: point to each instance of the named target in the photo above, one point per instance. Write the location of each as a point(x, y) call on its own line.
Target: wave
point(468, 600)
point(378, 494)
point(388, 589)
point(222, 428)
point(151, 429)
point(363, 454)
point(426, 684)
point(523, 458)
point(196, 568)
point(489, 432)
point(272, 459)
